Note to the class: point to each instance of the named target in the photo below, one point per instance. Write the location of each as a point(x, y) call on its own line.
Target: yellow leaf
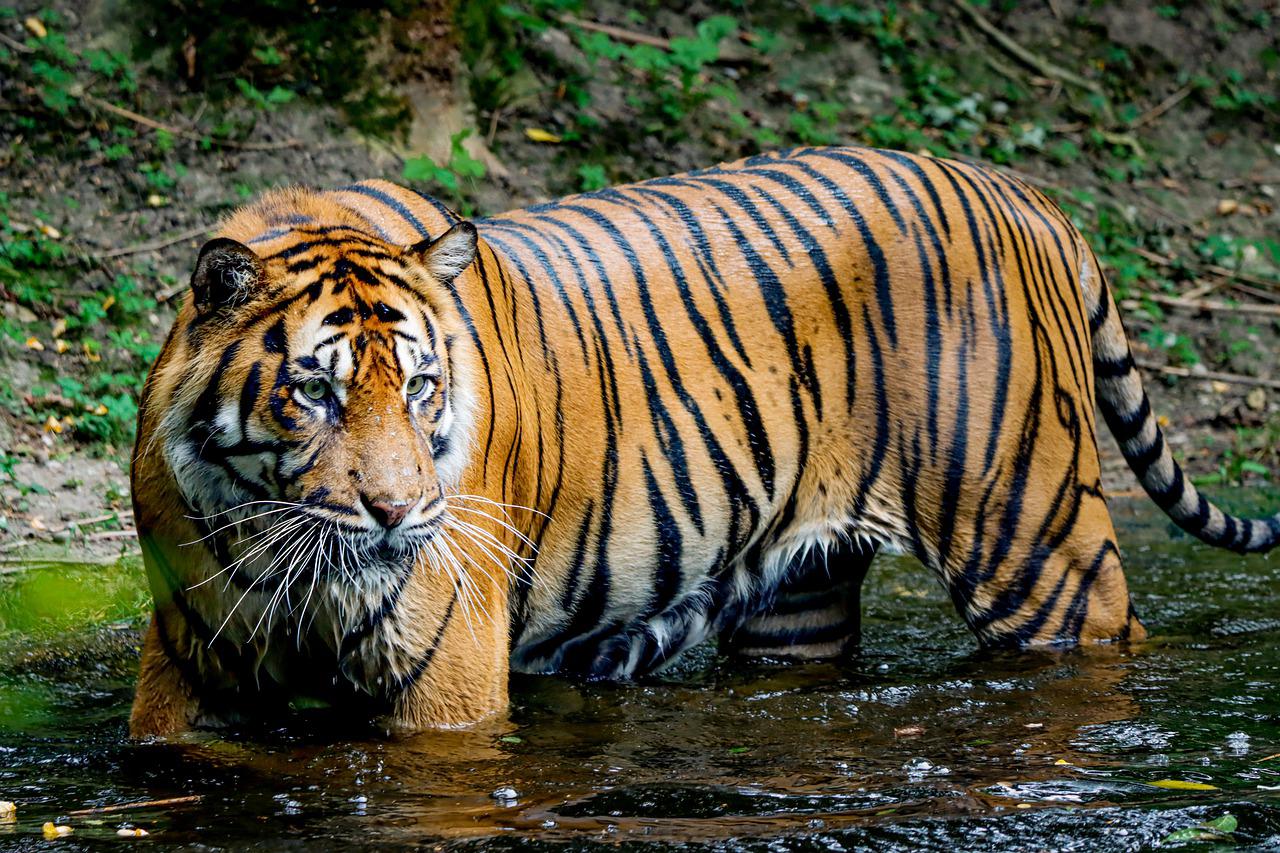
point(1182, 785)
point(34, 27)
point(537, 134)
point(53, 425)
point(49, 231)
point(101, 410)
point(108, 302)
point(60, 327)
point(34, 343)
point(53, 830)
point(1062, 762)
point(61, 346)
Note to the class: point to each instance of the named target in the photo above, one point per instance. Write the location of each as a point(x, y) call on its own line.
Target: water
point(920, 743)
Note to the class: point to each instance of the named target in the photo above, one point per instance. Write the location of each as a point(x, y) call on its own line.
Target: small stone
point(505, 793)
point(1228, 206)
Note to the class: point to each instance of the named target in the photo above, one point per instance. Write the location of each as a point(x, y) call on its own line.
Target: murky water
point(921, 743)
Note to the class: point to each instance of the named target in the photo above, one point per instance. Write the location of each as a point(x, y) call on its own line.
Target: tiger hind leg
point(815, 613)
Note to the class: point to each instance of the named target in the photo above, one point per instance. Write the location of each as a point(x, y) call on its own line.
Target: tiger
point(388, 455)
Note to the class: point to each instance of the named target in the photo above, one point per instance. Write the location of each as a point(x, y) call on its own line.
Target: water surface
point(919, 743)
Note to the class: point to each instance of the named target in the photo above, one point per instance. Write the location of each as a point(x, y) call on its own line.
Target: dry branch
point(1210, 375)
point(1033, 61)
point(1212, 305)
point(145, 804)
point(145, 121)
point(154, 245)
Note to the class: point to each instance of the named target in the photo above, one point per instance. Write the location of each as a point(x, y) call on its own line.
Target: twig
point(138, 118)
point(16, 45)
point(154, 245)
point(632, 37)
point(1213, 269)
point(97, 519)
point(1161, 108)
point(145, 804)
point(1210, 375)
point(617, 33)
point(1213, 305)
point(127, 533)
point(1020, 53)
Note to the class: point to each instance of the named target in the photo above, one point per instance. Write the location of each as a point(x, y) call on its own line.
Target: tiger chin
point(386, 455)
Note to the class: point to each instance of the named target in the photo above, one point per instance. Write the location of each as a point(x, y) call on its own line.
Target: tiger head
point(323, 393)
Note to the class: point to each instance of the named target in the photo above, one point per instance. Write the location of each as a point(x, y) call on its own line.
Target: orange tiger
point(386, 454)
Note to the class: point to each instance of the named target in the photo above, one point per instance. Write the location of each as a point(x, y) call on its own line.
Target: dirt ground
point(1203, 174)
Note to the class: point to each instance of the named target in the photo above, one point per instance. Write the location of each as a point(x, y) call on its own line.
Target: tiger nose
point(388, 513)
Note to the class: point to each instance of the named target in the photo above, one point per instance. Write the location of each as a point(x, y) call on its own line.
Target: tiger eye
point(416, 385)
point(316, 389)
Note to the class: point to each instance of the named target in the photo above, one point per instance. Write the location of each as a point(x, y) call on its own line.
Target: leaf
point(511, 739)
point(537, 134)
point(1213, 830)
point(1226, 823)
point(738, 750)
point(1182, 785)
point(419, 169)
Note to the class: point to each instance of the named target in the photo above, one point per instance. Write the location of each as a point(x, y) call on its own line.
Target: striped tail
point(1128, 414)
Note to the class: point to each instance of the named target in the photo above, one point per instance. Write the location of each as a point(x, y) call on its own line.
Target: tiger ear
point(448, 255)
point(226, 275)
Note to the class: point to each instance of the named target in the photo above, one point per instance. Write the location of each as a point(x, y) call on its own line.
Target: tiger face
point(334, 409)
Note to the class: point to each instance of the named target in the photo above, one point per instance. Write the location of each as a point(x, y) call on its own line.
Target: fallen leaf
point(1256, 399)
point(1210, 831)
point(53, 830)
point(61, 346)
point(537, 134)
point(136, 832)
point(1182, 785)
point(1228, 206)
point(53, 425)
point(1062, 762)
point(908, 731)
point(49, 231)
point(1033, 725)
point(34, 343)
point(108, 302)
point(7, 809)
point(34, 27)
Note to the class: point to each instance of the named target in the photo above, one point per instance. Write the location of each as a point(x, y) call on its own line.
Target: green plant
point(455, 177)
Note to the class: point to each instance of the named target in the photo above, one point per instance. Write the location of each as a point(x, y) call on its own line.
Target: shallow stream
point(919, 743)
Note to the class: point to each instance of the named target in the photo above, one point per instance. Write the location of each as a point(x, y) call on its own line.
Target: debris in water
point(908, 731)
point(1182, 785)
point(1213, 830)
point(132, 832)
point(505, 793)
point(54, 830)
point(8, 811)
